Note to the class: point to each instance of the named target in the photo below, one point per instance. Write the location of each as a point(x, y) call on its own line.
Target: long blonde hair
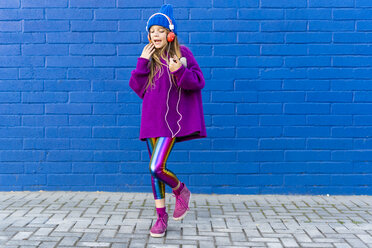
point(156, 65)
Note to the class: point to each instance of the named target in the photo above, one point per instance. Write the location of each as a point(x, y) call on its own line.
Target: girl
point(169, 81)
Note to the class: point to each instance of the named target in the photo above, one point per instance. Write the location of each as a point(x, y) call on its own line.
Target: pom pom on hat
point(161, 20)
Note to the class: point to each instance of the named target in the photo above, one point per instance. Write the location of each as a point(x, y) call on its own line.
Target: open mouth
point(157, 41)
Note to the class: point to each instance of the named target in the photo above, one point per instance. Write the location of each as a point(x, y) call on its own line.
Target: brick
point(95, 167)
point(72, 179)
point(45, 97)
point(117, 14)
point(41, 144)
point(48, 73)
point(291, 49)
point(89, 144)
point(310, 61)
point(97, 120)
point(68, 14)
point(14, 156)
point(212, 37)
point(11, 167)
point(259, 180)
point(265, 156)
point(67, 37)
point(17, 38)
point(329, 97)
point(310, 131)
point(237, 50)
point(266, 61)
point(273, 108)
point(333, 144)
point(10, 26)
point(44, 4)
point(283, 26)
point(69, 61)
point(272, 120)
point(362, 3)
point(9, 50)
point(234, 25)
point(330, 4)
point(258, 37)
point(90, 74)
point(309, 14)
point(66, 85)
point(46, 26)
point(349, 108)
point(283, 4)
point(10, 4)
point(91, 3)
point(9, 120)
point(44, 49)
point(321, 108)
point(212, 14)
point(93, 26)
point(68, 109)
point(90, 49)
point(25, 61)
point(307, 155)
point(235, 3)
point(108, 132)
point(331, 25)
point(68, 132)
point(118, 61)
point(253, 14)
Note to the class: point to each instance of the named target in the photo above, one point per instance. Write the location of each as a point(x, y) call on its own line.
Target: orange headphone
point(171, 35)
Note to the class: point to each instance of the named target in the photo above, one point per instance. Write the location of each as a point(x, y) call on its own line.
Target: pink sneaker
point(182, 204)
point(158, 230)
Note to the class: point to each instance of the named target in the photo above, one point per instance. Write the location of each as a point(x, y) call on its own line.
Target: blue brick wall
point(287, 102)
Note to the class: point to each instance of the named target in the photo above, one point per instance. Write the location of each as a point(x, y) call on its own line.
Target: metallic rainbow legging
point(159, 150)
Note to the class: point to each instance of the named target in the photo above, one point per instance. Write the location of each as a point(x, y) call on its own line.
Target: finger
point(151, 47)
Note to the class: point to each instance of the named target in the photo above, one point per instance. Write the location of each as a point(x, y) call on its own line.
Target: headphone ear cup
point(148, 37)
point(170, 37)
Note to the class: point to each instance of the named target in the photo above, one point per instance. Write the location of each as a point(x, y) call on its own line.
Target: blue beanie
point(161, 20)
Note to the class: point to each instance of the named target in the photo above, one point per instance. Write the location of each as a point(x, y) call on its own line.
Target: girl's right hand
point(148, 50)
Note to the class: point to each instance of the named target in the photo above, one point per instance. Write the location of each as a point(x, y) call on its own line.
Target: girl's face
point(158, 35)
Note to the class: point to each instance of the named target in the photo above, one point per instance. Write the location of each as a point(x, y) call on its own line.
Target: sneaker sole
point(183, 216)
point(157, 235)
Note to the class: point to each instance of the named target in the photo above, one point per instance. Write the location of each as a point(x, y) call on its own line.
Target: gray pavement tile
point(112, 219)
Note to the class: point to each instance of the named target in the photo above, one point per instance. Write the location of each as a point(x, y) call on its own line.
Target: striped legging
point(159, 150)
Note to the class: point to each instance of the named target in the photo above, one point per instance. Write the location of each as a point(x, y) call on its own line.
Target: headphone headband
point(171, 26)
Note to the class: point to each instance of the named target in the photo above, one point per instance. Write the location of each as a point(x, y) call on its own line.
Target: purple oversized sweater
point(154, 104)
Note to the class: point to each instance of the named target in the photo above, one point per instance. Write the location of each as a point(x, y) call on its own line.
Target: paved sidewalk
point(106, 219)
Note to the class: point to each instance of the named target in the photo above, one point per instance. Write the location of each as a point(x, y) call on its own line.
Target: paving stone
point(111, 219)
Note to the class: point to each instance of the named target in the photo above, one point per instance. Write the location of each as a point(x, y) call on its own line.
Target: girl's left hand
point(174, 64)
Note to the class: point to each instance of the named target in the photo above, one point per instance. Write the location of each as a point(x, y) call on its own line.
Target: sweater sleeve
point(190, 78)
point(139, 77)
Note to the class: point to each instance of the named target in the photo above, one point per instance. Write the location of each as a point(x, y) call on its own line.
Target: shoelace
point(162, 221)
point(181, 200)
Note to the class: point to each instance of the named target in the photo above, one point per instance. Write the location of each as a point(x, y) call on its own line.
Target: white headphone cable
point(179, 98)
